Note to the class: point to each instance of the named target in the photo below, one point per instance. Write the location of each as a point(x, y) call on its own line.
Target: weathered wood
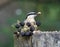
point(44, 39)
point(22, 42)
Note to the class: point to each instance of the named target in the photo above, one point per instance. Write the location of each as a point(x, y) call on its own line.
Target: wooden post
point(23, 42)
point(31, 42)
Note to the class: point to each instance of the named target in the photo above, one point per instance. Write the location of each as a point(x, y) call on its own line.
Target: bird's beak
point(38, 13)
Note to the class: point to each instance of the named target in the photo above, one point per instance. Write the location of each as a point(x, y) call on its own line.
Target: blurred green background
point(13, 10)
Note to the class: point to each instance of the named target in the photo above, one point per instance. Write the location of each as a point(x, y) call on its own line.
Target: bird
point(30, 20)
point(31, 17)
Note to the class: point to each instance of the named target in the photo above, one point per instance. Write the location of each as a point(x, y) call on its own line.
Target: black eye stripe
point(31, 14)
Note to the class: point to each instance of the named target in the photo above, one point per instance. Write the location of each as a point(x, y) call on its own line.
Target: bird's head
point(34, 13)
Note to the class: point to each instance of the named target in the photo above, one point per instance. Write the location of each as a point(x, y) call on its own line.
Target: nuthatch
point(30, 17)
